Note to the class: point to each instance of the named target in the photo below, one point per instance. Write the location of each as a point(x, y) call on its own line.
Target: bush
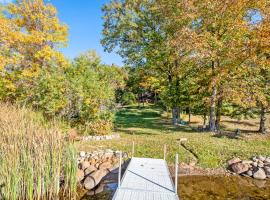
point(128, 98)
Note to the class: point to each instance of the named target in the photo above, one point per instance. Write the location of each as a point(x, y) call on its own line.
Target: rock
point(249, 173)
point(247, 162)
point(239, 168)
point(267, 171)
point(233, 161)
point(254, 159)
point(80, 175)
point(254, 164)
point(260, 164)
point(105, 165)
point(82, 154)
point(84, 165)
point(259, 174)
point(94, 179)
point(261, 158)
point(89, 170)
point(267, 161)
point(97, 190)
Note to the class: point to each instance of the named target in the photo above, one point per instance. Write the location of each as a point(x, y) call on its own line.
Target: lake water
point(206, 188)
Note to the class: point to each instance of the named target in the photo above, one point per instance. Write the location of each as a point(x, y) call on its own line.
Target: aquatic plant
point(32, 157)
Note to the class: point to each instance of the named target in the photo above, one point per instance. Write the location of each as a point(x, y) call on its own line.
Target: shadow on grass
point(145, 120)
point(240, 122)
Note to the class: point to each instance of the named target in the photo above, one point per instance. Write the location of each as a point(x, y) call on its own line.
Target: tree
point(31, 33)
point(137, 30)
point(216, 36)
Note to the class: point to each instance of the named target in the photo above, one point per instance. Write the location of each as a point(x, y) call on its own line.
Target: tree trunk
point(212, 120)
point(175, 115)
point(263, 125)
point(155, 98)
point(204, 119)
point(218, 115)
point(189, 115)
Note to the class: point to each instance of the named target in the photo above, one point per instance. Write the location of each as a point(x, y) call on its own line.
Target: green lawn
point(150, 131)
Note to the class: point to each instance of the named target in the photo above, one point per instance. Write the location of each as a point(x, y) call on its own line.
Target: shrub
point(128, 98)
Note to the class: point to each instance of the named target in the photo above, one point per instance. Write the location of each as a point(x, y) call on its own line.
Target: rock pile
point(258, 167)
point(99, 137)
point(92, 167)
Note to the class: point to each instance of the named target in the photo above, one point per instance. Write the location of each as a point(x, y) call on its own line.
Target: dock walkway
point(146, 179)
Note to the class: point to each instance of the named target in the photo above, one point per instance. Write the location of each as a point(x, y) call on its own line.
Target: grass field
point(149, 128)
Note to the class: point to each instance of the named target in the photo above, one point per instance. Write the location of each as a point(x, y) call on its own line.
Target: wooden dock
point(146, 179)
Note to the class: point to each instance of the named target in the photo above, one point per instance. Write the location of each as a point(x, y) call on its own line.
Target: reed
point(33, 158)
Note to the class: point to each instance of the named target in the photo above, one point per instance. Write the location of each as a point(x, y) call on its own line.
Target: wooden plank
point(146, 179)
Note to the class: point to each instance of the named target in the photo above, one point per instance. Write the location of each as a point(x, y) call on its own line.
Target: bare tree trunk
point(212, 120)
point(218, 115)
point(204, 119)
point(189, 115)
point(263, 125)
point(175, 115)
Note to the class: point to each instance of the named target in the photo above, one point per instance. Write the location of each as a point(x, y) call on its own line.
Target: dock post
point(133, 148)
point(176, 173)
point(165, 149)
point(120, 166)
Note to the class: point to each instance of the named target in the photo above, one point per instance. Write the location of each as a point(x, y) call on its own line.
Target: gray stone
point(233, 161)
point(261, 158)
point(239, 168)
point(254, 164)
point(84, 165)
point(267, 161)
point(249, 173)
point(254, 159)
point(89, 170)
point(259, 174)
point(105, 165)
point(94, 179)
point(260, 164)
point(82, 153)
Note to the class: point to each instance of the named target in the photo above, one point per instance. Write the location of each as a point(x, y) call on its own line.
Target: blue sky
point(84, 18)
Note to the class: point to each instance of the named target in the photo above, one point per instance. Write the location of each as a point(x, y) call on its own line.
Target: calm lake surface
point(206, 188)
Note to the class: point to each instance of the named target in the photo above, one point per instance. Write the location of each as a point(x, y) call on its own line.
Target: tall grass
point(32, 157)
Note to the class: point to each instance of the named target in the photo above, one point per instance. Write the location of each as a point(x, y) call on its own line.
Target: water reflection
point(203, 188)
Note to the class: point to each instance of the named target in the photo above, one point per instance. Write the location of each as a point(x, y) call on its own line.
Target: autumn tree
point(138, 31)
point(217, 38)
point(31, 35)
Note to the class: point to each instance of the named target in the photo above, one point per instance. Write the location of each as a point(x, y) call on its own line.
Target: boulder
point(267, 161)
point(249, 173)
point(105, 165)
point(247, 162)
point(259, 174)
point(84, 165)
point(239, 168)
point(267, 171)
point(89, 170)
point(254, 164)
point(82, 154)
point(80, 175)
point(233, 161)
point(261, 158)
point(260, 164)
point(94, 179)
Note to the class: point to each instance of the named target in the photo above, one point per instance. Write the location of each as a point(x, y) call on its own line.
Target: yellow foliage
point(29, 38)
